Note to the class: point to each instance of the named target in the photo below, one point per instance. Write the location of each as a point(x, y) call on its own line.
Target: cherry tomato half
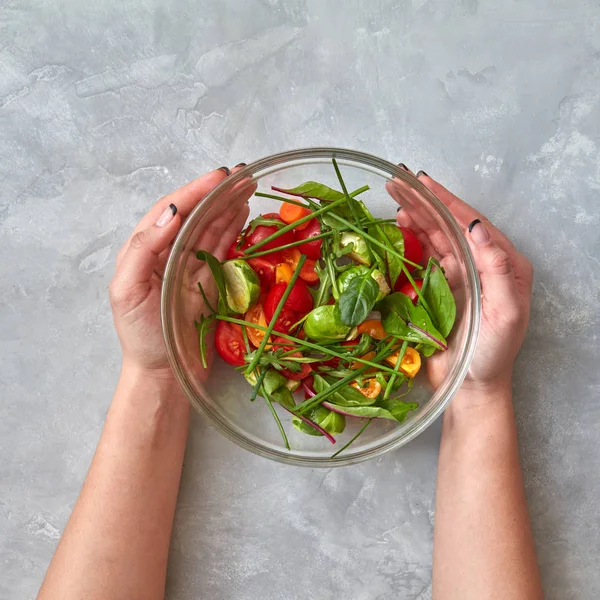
point(256, 315)
point(233, 251)
point(408, 289)
point(230, 343)
point(285, 320)
point(264, 267)
point(412, 247)
point(300, 299)
point(264, 231)
point(311, 249)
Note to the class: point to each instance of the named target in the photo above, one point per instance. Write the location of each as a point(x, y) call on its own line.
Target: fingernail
point(399, 209)
point(421, 173)
point(167, 216)
point(240, 165)
point(403, 166)
point(225, 170)
point(479, 234)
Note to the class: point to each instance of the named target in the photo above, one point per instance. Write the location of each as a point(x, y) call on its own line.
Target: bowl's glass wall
point(222, 393)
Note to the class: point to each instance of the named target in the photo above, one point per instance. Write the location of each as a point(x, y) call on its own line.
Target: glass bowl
point(221, 393)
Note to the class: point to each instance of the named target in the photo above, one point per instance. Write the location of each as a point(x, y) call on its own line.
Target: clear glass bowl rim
point(389, 170)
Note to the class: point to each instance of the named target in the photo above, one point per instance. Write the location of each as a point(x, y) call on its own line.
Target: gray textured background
point(105, 107)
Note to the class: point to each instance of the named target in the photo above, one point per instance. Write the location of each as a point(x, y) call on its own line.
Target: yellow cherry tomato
point(283, 273)
point(410, 364)
point(374, 328)
point(370, 389)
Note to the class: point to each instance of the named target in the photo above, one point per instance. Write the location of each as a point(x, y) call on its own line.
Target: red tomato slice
point(412, 248)
point(311, 249)
point(300, 299)
point(285, 320)
point(233, 252)
point(264, 267)
point(264, 231)
point(230, 343)
point(408, 289)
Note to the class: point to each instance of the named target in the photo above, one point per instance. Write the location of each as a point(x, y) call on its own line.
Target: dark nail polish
point(240, 165)
point(225, 170)
point(399, 209)
point(421, 173)
point(173, 209)
point(403, 166)
point(472, 224)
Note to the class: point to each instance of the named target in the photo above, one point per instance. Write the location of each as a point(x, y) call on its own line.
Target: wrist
point(155, 383)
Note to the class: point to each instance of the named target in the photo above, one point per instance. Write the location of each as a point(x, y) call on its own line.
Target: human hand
point(506, 280)
point(136, 286)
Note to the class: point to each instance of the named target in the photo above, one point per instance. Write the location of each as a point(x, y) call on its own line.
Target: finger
point(142, 257)
point(498, 285)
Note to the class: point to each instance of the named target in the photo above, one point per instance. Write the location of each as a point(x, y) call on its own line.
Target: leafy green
point(402, 319)
point(398, 408)
point(440, 300)
point(358, 299)
point(344, 396)
point(217, 272)
point(203, 329)
point(274, 388)
point(366, 412)
point(360, 251)
point(330, 421)
point(264, 222)
point(313, 189)
point(392, 237)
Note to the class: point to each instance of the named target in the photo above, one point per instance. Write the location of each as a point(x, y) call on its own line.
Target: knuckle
point(499, 261)
point(138, 240)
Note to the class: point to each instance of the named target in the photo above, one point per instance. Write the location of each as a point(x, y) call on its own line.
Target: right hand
point(506, 280)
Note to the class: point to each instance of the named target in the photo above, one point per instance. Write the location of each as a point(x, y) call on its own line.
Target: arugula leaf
point(312, 189)
point(440, 300)
point(266, 222)
point(402, 319)
point(217, 272)
point(358, 299)
point(344, 396)
point(203, 329)
point(391, 236)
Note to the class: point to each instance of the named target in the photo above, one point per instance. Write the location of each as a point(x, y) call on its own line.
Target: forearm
point(483, 543)
point(116, 542)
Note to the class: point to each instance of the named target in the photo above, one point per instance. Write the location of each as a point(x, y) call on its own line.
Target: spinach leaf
point(391, 236)
point(366, 412)
point(440, 300)
point(217, 272)
point(312, 189)
point(398, 408)
point(273, 388)
point(330, 421)
point(344, 396)
point(402, 319)
point(358, 299)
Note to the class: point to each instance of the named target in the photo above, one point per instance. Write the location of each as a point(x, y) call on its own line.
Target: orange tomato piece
point(291, 213)
point(410, 364)
point(371, 388)
point(283, 273)
point(372, 327)
point(256, 315)
point(291, 256)
point(367, 356)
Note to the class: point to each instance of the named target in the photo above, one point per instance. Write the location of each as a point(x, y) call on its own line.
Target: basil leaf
point(402, 319)
point(217, 272)
point(344, 396)
point(358, 299)
point(440, 300)
point(390, 235)
point(313, 189)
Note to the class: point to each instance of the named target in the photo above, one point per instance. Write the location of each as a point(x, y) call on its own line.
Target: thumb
point(141, 257)
point(498, 282)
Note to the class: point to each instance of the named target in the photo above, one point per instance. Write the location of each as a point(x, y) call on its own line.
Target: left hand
point(136, 286)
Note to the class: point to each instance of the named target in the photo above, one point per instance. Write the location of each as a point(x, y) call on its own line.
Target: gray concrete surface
point(106, 106)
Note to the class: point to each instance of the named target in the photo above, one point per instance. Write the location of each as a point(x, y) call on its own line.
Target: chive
point(288, 291)
point(245, 335)
point(278, 421)
point(290, 245)
point(206, 299)
point(348, 199)
point(310, 345)
point(352, 440)
point(291, 226)
point(392, 379)
point(360, 190)
point(280, 198)
point(258, 384)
